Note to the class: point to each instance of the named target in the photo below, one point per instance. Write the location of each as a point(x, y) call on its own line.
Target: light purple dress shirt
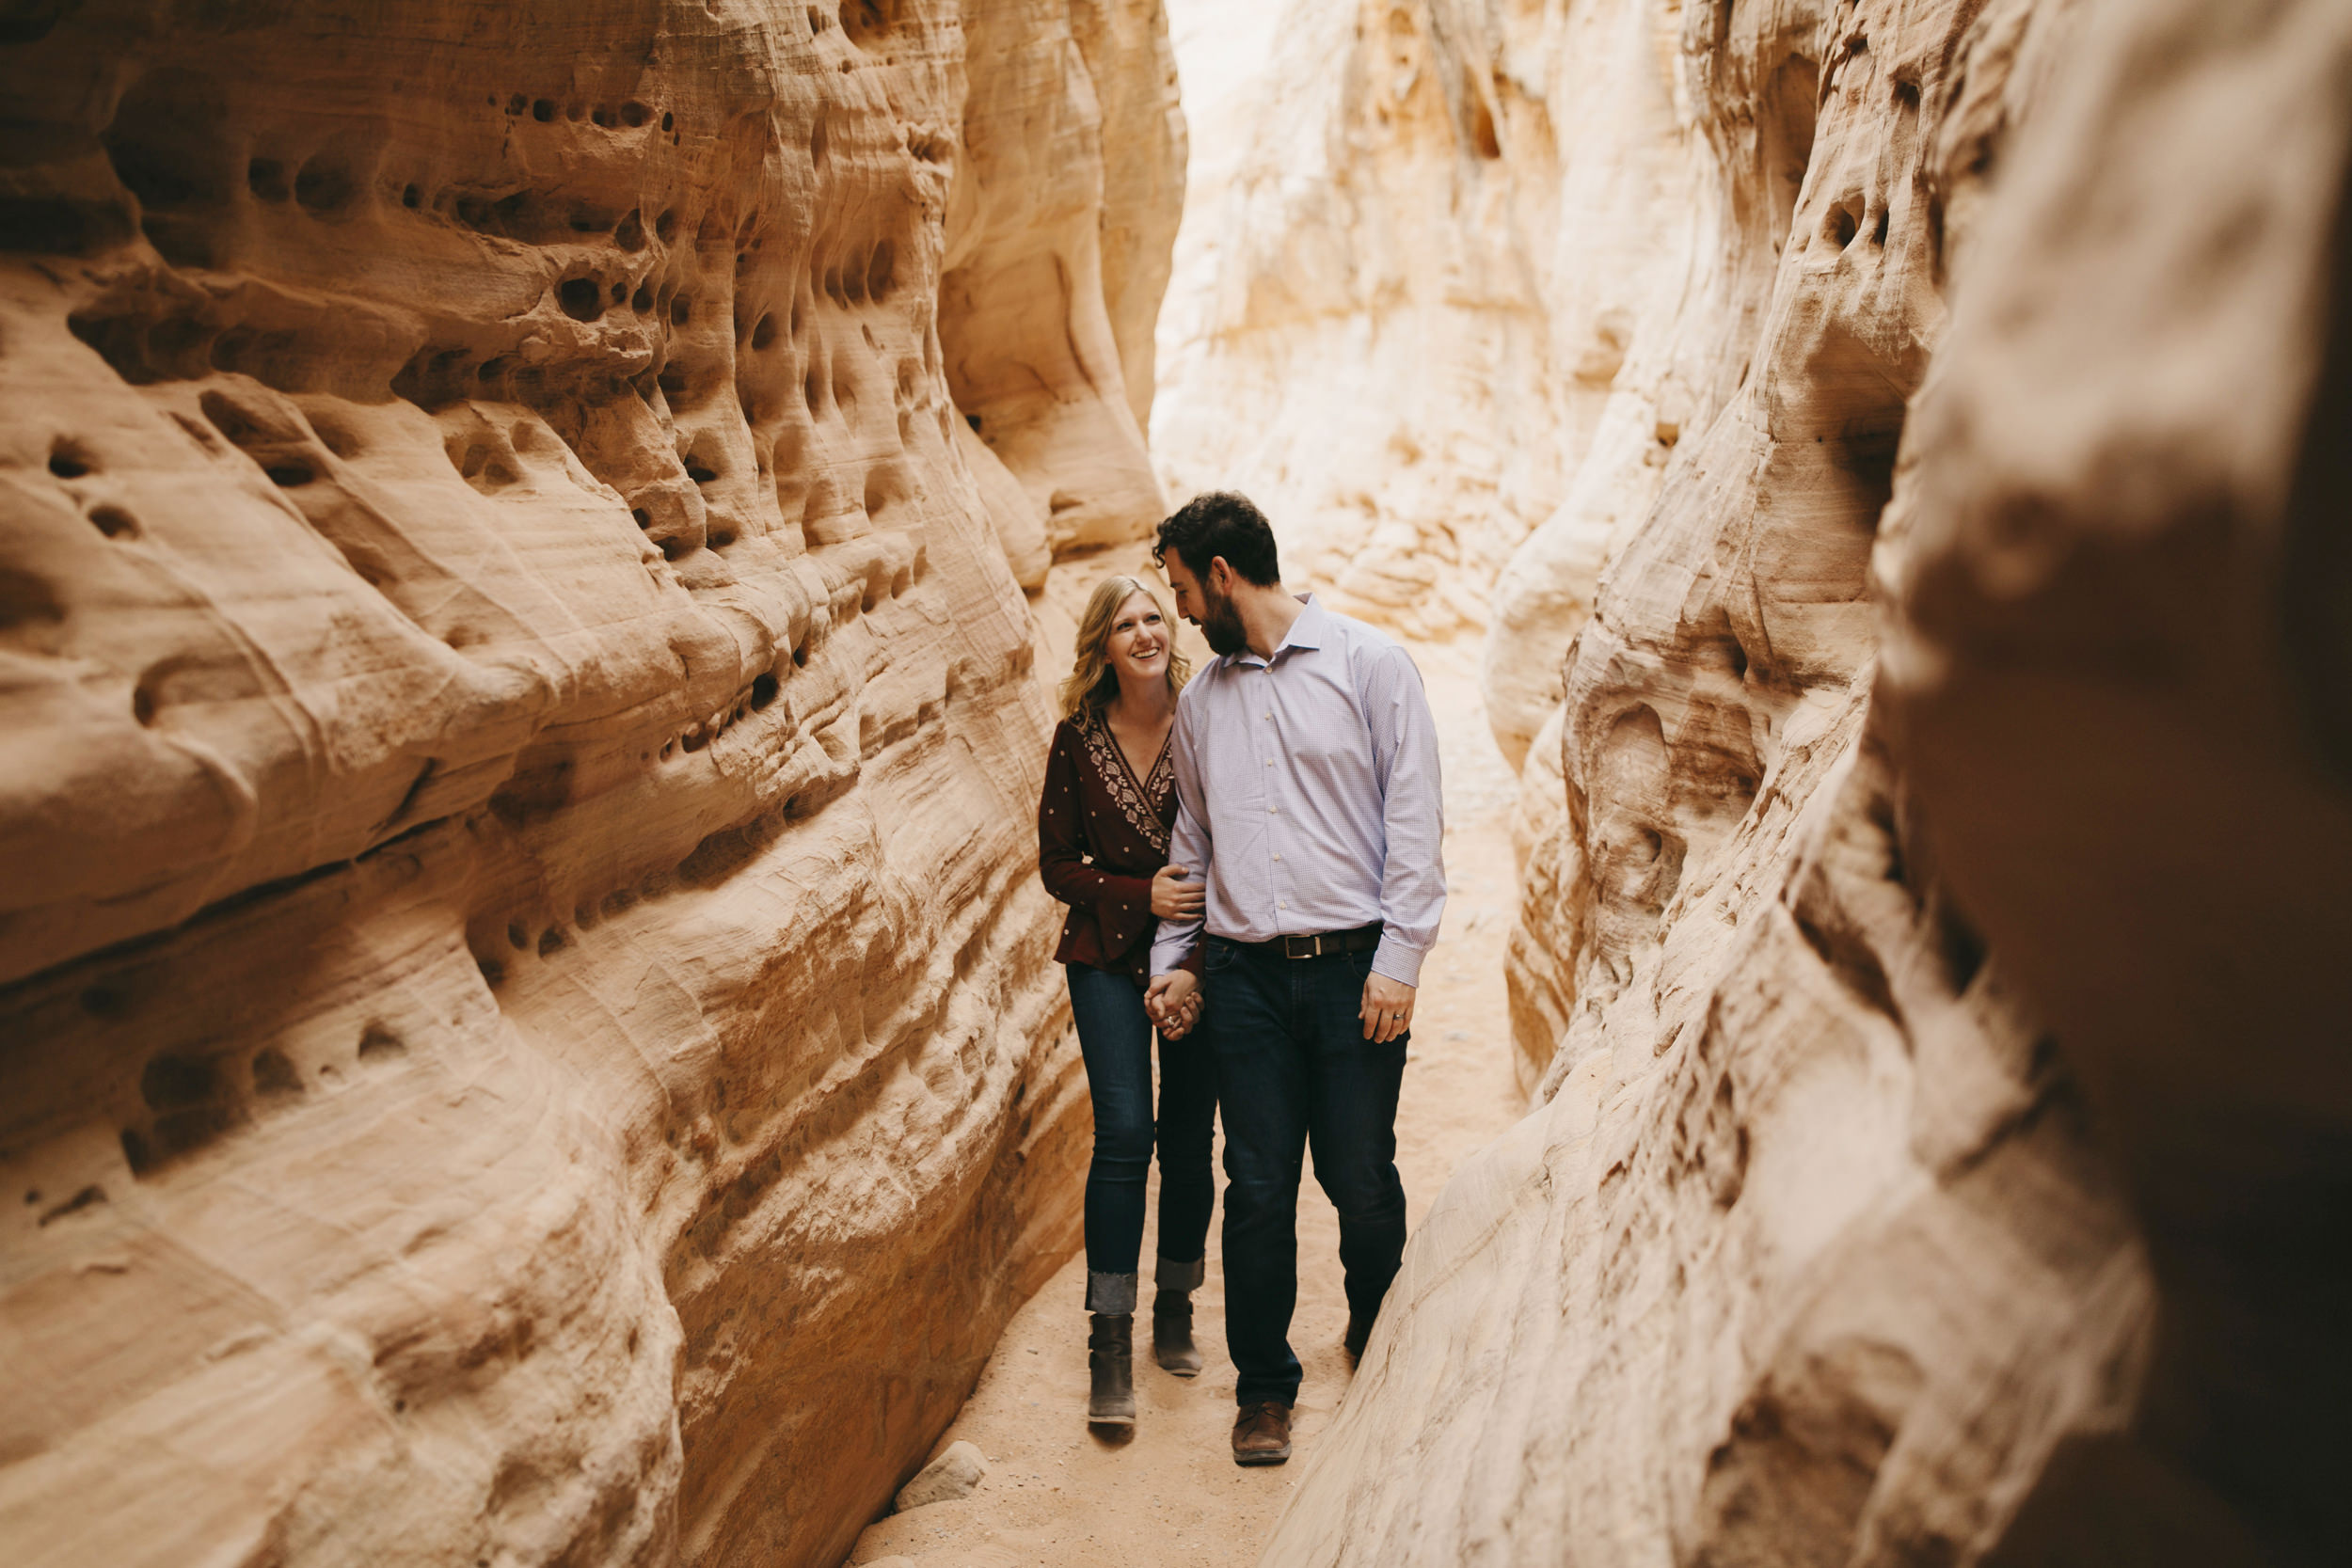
point(1307, 786)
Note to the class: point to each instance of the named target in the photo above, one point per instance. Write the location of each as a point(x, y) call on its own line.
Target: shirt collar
point(1306, 632)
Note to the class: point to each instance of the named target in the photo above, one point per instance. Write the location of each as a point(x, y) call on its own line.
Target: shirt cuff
point(1173, 950)
point(1398, 962)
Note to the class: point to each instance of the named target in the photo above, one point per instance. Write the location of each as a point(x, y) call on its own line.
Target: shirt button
point(1278, 857)
point(1269, 810)
point(1284, 904)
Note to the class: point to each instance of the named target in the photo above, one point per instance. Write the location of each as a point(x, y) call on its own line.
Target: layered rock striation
point(1939, 1142)
point(528, 1031)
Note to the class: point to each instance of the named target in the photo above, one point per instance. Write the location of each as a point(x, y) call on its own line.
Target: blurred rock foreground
point(532, 538)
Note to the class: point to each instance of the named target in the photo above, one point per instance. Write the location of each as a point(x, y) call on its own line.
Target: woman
point(1103, 828)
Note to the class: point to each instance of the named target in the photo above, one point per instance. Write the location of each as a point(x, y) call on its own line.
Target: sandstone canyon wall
point(1930, 965)
point(528, 1031)
point(1419, 238)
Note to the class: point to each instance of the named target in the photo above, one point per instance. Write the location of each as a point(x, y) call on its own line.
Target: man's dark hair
point(1221, 523)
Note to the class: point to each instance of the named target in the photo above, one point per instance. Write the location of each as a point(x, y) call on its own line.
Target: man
point(1306, 767)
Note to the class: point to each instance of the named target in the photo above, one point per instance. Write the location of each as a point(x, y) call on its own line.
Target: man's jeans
point(1293, 1068)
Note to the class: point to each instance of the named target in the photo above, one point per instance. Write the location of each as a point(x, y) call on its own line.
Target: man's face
point(1199, 601)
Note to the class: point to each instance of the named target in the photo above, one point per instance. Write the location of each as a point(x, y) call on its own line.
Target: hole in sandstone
point(323, 187)
point(114, 522)
point(135, 1152)
point(543, 110)
point(681, 310)
point(1907, 96)
point(516, 937)
point(764, 691)
point(699, 471)
point(581, 297)
point(1842, 227)
point(720, 541)
point(275, 1075)
point(171, 1083)
point(517, 104)
point(411, 197)
point(620, 292)
point(665, 226)
point(634, 114)
point(672, 381)
point(668, 121)
point(605, 117)
point(380, 1044)
point(812, 390)
point(643, 517)
point(288, 476)
point(493, 972)
point(67, 462)
point(673, 549)
point(642, 301)
point(630, 235)
point(973, 420)
point(883, 271)
point(575, 112)
point(800, 656)
point(765, 333)
point(816, 19)
point(266, 179)
point(1878, 234)
point(819, 140)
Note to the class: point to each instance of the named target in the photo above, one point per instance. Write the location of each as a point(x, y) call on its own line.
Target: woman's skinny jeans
point(1114, 1034)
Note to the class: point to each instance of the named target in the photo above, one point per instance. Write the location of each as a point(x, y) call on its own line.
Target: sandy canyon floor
point(1170, 1497)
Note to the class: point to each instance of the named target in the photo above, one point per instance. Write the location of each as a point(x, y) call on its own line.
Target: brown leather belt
point(1363, 939)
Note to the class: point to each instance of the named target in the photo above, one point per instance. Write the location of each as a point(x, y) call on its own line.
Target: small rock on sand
point(952, 1475)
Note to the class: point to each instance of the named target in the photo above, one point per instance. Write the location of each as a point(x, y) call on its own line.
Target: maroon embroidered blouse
point(1101, 835)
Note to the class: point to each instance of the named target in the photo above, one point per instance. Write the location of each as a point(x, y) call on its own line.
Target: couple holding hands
point(1252, 869)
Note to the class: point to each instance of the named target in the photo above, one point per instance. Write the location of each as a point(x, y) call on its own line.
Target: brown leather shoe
point(1261, 1436)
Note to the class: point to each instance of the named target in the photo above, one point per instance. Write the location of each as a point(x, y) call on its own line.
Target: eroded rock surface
point(1420, 239)
point(528, 1031)
point(1939, 1153)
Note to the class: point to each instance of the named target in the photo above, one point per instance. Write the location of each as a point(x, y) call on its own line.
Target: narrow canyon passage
point(1171, 1497)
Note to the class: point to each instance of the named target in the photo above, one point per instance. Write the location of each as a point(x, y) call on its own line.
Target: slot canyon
point(536, 544)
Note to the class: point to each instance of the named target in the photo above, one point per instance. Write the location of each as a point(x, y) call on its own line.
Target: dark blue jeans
point(1294, 1070)
point(1114, 1034)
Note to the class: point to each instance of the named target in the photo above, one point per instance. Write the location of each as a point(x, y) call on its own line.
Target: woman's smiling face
point(1137, 644)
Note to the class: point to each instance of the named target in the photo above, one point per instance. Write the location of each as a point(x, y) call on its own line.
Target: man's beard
point(1220, 623)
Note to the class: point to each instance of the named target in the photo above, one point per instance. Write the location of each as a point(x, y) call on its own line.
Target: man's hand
point(1173, 1002)
point(1173, 897)
point(1388, 1009)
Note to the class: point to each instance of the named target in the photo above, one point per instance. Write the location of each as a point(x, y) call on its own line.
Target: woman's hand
point(1173, 897)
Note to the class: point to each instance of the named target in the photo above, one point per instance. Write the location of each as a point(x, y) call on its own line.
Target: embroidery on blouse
point(1141, 801)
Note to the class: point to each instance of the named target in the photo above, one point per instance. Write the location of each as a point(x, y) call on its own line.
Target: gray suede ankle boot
point(1110, 1362)
point(1171, 1333)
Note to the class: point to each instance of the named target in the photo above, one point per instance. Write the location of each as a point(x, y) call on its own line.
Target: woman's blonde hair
point(1093, 682)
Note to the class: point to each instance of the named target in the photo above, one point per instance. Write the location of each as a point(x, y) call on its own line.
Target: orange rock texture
point(528, 1032)
point(1930, 969)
